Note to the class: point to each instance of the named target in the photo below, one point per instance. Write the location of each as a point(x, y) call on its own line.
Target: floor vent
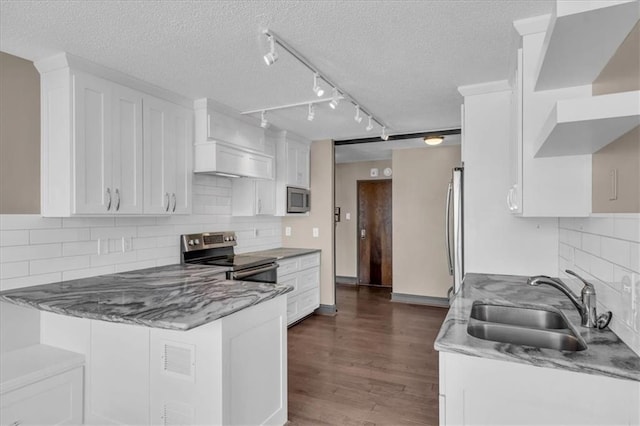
point(178, 360)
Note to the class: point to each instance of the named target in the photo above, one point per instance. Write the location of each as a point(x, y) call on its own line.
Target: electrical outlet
point(103, 246)
point(316, 232)
point(347, 216)
point(126, 244)
point(287, 231)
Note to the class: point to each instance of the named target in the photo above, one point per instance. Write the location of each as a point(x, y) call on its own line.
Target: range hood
point(229, 160)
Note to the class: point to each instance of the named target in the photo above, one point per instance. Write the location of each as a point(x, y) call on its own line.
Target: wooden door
point(374, 232)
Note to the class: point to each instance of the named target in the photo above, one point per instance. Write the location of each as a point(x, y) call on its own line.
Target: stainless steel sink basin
point(521, 325)
point(521, 316)
point(562, 340)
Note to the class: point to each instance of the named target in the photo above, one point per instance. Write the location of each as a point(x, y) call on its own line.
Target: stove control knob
point(190, 242)
point(197, 241)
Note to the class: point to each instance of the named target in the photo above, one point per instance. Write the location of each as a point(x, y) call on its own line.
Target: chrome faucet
point(586, 305)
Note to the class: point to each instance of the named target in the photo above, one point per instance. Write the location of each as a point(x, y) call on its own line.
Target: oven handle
point(247, 273)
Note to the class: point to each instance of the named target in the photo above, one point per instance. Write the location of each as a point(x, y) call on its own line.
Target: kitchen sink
point(521, 325)
point(520, 316)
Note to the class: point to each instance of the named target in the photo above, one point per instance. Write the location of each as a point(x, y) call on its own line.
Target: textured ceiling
point(402, 59)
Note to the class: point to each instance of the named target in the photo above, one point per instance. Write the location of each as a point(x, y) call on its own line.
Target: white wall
point(36, 250)
point(495, 240)
point(605, 250)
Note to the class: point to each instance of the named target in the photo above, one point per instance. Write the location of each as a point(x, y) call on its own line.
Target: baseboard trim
point(414, 299)
point(346, 280)
point(329, 310)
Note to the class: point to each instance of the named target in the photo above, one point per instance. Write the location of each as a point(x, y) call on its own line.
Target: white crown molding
point(483, 88)
point(537, 24)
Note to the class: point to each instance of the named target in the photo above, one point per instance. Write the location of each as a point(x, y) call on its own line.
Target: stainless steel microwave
point(298, 200)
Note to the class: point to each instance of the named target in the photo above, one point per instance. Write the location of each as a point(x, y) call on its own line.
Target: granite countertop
point(175, 297)
point(605, 355)
point(283, 252)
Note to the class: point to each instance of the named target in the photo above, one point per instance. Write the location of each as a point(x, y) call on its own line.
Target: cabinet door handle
point(109, 199)
point(166, 197)
point(175, 201)
point(259, 205)
point(363, 234)
point(509, 206)
point(117, 199)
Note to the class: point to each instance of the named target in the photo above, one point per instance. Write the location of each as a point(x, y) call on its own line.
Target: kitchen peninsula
point(176, 344)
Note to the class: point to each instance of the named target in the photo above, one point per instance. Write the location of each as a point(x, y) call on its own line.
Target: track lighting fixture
point(335, 99)
point(358, 117)
point(433, 140)
point(369, 125)
point(384, 136)
point(319, 91)
point(272, 56)
point(318, 78)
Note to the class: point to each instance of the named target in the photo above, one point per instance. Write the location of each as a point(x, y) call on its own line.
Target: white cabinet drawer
point(53, 401)
point(287, 266)
point(292, 281)
point(309, 261)
point(308, 279)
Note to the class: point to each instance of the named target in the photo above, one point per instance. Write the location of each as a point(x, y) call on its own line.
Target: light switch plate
point(316, 232)
point(287, 231)
point(347, 216)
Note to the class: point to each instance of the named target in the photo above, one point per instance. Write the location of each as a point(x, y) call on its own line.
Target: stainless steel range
point(216, 248)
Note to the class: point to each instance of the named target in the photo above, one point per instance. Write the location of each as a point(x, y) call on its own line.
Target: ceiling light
point(384, 136)
point(263, 122)
point(319, 91)
point(433, 140)
point(272, 56)
point(369, 125)
point(336, 100)
point(358, 117)
point(312, 112)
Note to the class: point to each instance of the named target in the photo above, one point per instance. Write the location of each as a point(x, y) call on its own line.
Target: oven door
point(264, 273)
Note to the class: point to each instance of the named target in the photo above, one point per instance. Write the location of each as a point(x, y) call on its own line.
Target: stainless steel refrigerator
point(455, 229)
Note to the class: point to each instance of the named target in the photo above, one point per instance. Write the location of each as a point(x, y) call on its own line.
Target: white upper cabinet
point(93, 154)
point(167, 157)
point(297, 162)
point(292, 168)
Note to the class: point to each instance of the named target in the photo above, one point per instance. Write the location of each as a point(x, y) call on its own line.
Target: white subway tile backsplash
point(58, 264)
point(28, 221)
point(76, 248)
point(154, 253)
point(43, 236)
point(14, 269)
point(113, 232)
point(88, 272)
point(13, 238)
point(627, 228)
point(113, 258)
point(156, 230)
point(591, 243)
point(137, 221)
point(87, 222)
point(133, 266)
point(616, 251)
point(39, 251)
point(140, 243)
point(606, 252)
point(30, 280)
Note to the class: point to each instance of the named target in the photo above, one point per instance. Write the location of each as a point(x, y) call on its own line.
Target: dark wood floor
point(372, 364)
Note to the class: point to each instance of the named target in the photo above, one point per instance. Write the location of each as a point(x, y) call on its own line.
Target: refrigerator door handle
point(447, 225)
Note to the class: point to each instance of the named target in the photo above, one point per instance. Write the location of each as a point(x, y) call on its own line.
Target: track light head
point(384, 136)
point(358, 117)
point(312, 112)
point(433, 140)
point(271, 57)
point(319, 91)
point(369, 125)
point(263, 121)
point(336, 100)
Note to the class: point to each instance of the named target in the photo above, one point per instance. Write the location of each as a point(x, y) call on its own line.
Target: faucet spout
point(586, 304)
point(543, 279)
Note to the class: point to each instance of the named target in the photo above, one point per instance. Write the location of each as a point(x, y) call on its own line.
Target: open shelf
point(585, 125)
point(581, 38)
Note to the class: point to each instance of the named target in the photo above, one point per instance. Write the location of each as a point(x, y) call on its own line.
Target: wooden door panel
point(374, 233)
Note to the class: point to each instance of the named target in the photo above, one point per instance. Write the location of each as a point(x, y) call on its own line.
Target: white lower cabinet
point(480, 391)
point(303, 274)
point(41, 385)
point(232, 371)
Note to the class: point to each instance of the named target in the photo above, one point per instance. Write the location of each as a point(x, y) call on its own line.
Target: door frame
point(358, 227)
